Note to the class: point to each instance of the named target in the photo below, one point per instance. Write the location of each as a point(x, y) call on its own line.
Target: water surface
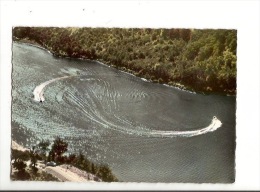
point(103, 112)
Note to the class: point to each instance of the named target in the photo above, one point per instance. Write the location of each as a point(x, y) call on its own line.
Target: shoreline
point(62, 172)
point(83, 65)
point(176, 85)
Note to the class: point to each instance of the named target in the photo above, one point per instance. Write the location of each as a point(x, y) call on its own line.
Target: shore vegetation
point(56, 152)
point(194, 59)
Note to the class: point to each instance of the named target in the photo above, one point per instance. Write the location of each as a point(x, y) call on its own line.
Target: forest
point(200, 60)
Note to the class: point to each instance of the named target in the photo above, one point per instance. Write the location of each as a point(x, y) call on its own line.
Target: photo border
point(240, 15)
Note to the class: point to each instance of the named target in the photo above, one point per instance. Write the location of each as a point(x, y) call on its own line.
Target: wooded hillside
point(201, 60)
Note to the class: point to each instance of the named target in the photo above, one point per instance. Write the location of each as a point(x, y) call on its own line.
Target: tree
point(21, 32)
point(44, 148)
point(137, 49)
point(71, 158)
point(19, 165)
point(93, 169)
point(34, 158)
point(58, 148)
point(105, 173)
point(22, 174)
point(16, 155)
point(185, 34)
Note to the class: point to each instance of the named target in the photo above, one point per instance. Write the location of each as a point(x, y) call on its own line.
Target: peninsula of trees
point(198, 60)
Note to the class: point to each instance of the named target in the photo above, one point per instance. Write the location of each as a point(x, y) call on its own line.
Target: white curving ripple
point(39, 90)
point(92, 109)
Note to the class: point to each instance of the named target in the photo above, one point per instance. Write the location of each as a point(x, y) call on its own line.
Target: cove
point(89, 109)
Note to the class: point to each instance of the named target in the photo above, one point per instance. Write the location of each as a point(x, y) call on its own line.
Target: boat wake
point(105, 119)
point(214, 125)
point(39, 90)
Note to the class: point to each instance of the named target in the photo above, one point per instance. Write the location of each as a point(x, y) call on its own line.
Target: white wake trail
point(39, 90)
point(214, 125)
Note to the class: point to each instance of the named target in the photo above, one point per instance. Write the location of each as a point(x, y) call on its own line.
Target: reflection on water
point(105, 113)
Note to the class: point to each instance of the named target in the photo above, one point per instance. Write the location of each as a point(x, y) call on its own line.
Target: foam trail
point(214, 125)
point(38, 91)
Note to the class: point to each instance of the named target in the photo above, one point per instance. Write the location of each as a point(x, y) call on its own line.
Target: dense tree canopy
point(202, 60)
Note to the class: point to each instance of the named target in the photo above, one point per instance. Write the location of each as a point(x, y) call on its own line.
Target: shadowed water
point(105, 113)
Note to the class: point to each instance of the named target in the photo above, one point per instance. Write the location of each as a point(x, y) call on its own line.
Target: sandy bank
point(16, 146)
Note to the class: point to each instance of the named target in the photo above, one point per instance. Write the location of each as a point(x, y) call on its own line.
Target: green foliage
point(71, 158)
point(21, 32)
point(22, 174)
point(16, 154)
point(59, 147)
point(199, 59)
point(45, 177)
point(19, 165)
point(22, 170)
point(44, 146)
point(34, 158)
point(43, 149)
point(101, 171)
point(105, 173)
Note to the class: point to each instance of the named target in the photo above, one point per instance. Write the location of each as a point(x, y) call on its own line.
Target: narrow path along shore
point(65, 174)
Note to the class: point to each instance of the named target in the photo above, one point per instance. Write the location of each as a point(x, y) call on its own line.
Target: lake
point(109, 115)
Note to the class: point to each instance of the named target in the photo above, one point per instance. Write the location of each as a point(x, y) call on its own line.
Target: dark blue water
point(103, 111)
